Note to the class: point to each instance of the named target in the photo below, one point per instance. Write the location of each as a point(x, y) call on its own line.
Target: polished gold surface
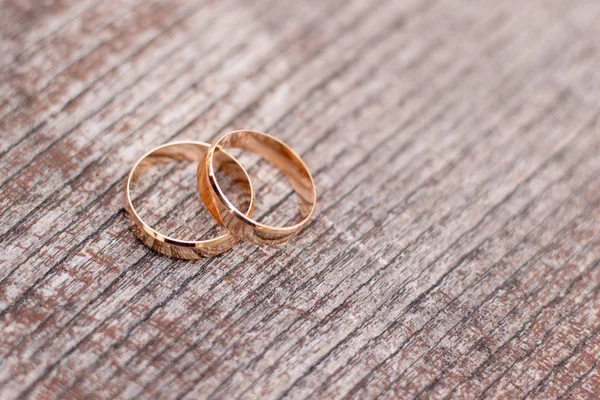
point(278, 154)
point(183, 151)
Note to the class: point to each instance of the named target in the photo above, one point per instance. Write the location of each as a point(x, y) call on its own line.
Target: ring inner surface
point(233, 175)
point(281, 157)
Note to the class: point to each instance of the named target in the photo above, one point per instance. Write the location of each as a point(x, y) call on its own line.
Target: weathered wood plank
point(455, 250)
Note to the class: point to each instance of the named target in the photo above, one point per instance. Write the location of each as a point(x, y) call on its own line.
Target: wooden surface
point(455, 251)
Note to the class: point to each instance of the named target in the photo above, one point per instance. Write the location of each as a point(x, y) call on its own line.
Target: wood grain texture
point(455, 252)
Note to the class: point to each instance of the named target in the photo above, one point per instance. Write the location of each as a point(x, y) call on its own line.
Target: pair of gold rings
point(239, 224)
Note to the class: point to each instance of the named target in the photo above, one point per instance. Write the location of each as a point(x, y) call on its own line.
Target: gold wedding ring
point(278, 154)
point(184, 151)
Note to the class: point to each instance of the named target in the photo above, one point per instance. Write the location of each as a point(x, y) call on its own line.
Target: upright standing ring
point(183, 151)
point(283, 158)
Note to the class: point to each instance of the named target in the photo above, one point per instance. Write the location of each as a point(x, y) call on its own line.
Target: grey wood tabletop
point(455, 250)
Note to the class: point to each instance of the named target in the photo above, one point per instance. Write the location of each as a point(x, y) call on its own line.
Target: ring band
point(183, 151)
point(283, 158)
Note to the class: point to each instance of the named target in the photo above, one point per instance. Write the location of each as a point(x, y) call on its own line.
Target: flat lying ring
point(283, 158)
point(183, 151)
